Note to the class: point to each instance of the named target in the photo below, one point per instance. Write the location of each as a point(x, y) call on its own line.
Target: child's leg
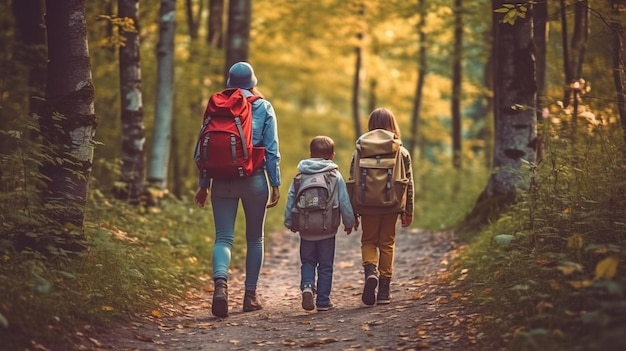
point(387, 244)
point(326, 257)
point(308, 259)
point(370, 225)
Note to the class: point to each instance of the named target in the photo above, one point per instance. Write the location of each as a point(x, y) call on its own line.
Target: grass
point(548, 274)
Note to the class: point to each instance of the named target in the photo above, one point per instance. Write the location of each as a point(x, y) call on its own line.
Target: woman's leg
point(254, 193)
point(224, 214)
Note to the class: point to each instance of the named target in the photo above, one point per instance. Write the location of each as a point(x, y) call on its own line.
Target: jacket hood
point(314, 165)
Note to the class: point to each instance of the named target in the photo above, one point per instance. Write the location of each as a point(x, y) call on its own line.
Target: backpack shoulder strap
point(333, 182)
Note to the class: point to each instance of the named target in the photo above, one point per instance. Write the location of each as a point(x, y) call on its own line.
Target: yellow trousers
point(378, 242)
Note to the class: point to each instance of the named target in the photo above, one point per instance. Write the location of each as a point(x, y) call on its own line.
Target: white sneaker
point(307, 299)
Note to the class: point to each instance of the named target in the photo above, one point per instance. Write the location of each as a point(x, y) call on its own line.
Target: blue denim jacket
point(264, 133)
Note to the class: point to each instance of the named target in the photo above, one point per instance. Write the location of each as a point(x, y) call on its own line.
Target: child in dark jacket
point(317, 251)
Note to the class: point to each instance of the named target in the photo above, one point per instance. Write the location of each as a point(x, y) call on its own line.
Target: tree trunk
point(579, 39)
point(165, 96)
point(31, 39)
point(514, 105)
point(618, 72)
point(540, 34)
point(514, 112)
point(238, 37)
point(457, 61)
point(68, 119)
point(358, 67)
point(566, 58)
point(421, 78)
point(133, 131)
point(215, 23)
point(193, 21)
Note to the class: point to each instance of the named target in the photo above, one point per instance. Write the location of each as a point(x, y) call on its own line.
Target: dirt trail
point(425, 312)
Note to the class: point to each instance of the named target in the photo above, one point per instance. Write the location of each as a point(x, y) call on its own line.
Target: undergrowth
point(550, 272)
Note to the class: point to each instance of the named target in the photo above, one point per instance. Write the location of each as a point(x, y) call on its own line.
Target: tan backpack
point(378, 183)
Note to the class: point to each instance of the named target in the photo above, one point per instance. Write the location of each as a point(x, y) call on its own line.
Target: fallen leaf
point(607, 268)
point(417, 296)
point(575, 242)
point(568, 268)
point(95, 342)
point(156, 314)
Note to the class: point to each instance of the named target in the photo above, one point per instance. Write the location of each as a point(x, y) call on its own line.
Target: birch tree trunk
point(238, 37)
point(159, 160)
point(133, 131)
point(68, 119)
point(515, 103)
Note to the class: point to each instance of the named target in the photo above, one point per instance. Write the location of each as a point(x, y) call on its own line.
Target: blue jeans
point(317, 255)
point(225, 195)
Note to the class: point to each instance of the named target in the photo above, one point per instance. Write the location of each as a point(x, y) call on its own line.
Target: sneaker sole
point(220, 308)
point(325, 308)
point(369, 291)
point(307, 301)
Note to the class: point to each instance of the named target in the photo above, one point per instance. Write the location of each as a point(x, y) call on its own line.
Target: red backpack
point(224, 149)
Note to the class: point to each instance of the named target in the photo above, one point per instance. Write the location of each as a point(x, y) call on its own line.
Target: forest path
point(425, 313)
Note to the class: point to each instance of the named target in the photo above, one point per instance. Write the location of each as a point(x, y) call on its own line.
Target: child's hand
point(356, 222)
point(406, 220)
point(348, 230)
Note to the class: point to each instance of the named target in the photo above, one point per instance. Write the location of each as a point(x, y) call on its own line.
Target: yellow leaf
point(417, 296)
point(575, 242)
point(107, 308)
point(156, 313)
point(607, 268)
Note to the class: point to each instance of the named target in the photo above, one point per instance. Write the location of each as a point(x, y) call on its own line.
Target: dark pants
point(318, 255)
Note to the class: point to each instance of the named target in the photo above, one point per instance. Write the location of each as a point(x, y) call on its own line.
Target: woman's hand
point(274, 197)
point(201, 195)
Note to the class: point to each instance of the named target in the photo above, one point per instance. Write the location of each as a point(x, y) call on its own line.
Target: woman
point(253, 191)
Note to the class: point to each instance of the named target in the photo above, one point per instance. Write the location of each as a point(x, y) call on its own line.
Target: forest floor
point(426, 312)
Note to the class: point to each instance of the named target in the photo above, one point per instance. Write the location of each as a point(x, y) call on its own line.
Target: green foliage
point(444, 195)
point(549, 273)
point(136, 259)
point(512, 12)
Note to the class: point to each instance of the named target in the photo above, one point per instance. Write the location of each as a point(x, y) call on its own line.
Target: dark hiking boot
point(371, 282)
point(251, 301)
point(383, 297)
point(220, 298)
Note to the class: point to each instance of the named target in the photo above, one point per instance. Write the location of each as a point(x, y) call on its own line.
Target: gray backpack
point(316, 203)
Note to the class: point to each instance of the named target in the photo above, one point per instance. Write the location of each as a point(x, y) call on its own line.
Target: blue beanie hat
point(241, 75)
